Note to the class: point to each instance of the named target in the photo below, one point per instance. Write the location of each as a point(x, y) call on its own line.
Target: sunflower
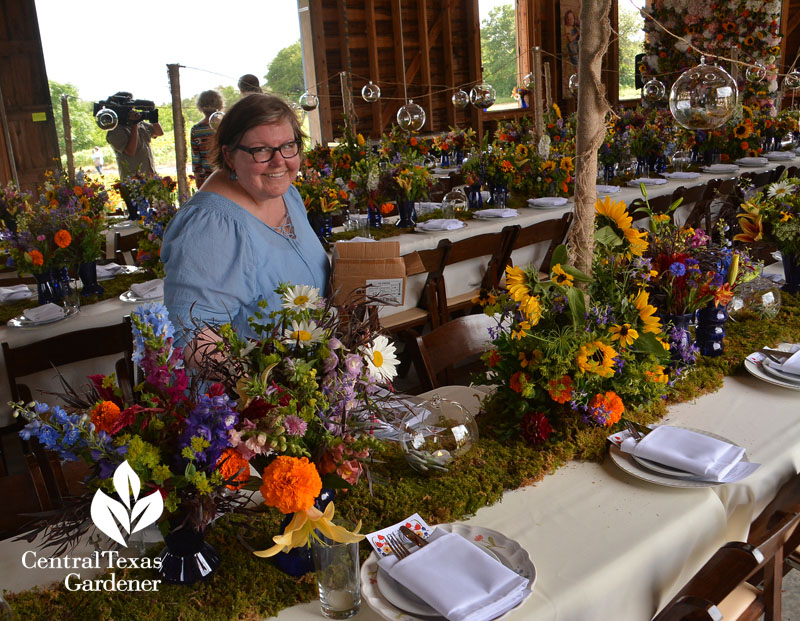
point(548, 166)
point(614, 211)
point(560, 277)
point(484, 298)
point(624, 334)
point(516, 283)
point(521, 331)
point(531, 308)
point(749, 40)
point(637, 241)
point(657, 375)
point(567, 164)
point(522, 151)
point(381, 359)
point(301, 297)
point(596, 357)
point(728, 26)
point(742, 131)
point(785, 216)
point(650, 322)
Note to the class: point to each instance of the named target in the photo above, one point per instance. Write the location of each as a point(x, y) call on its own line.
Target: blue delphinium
point(206, 434)
point(60, 432)
point(150, 321)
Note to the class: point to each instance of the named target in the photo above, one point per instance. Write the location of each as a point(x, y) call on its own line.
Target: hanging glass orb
point(371, 92)
point(792, 80)
point(215, 119)
point(309, 101)
point(483, 95)
point(527, 81)
point(703, 97)
point(573, 84)
point(455, 204)
point(411, 117)
point(460, 99)
point(755, 73)
point(106, 119)
point(653, 90)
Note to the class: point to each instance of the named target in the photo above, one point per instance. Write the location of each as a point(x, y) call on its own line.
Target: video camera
point(117, 109)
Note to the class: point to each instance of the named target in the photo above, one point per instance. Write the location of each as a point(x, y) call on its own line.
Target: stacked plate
point(772, 372)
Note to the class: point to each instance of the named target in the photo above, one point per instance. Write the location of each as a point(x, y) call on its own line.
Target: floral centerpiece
point(157, 216)
point(140, 191)
point(408, 182)
point(322, 198)
point(560, 361)
point(554, 177)
point(398, 144)
point(773, 215)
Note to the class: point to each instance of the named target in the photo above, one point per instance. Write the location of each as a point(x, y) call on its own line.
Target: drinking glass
point(338, 577)
point(681, 160)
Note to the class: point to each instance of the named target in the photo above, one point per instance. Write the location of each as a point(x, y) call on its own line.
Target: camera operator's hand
point(134, 117)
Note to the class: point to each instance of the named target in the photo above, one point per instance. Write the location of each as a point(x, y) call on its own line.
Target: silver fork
point(635, 433)
point(396, 546)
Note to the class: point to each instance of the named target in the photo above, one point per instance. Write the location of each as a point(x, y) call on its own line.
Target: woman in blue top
point(246, 230)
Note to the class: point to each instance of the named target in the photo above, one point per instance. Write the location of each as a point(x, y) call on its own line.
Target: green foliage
point(85, 133)
point(631, 43)
point(498, 43)
point(285, 72)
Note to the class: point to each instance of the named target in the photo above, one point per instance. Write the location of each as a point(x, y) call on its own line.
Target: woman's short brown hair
point(209, 101)
point(252, 111)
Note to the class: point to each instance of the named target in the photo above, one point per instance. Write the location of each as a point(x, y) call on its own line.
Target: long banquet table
point(607, 545)
point(459, 278)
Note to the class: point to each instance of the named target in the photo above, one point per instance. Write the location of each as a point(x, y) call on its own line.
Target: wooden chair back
point(555, 231)
point(444, 355)
point(125, 247)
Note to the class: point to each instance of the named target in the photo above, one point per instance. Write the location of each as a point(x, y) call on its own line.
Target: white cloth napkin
point(441, 224)
point(607, 189)
point(548, 201)
point(723, 168)
point(496, 213)
point(44, 312)
point(151, 289)
point(781, 155)
point(108, 270)
point(681, 175)
point(687, 450)
point(647, 181)
point(458, 580)
point(15, 292)
point(791, 364)
point(752, 161)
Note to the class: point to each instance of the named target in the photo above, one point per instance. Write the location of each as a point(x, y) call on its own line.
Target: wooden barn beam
point(425, 59)
point(321, 63)
point(474, 57)
point(446, 14)
point(397, 28)
point(374, 64)
point(309, 68)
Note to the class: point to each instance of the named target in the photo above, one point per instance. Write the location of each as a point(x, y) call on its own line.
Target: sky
point(105, 46)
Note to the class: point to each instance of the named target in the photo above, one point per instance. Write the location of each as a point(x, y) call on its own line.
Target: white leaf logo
point(109, 514)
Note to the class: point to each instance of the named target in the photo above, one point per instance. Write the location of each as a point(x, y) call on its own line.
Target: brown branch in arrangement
point(592, 109)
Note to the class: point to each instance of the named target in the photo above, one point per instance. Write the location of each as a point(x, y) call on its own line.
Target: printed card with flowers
point(377, 539)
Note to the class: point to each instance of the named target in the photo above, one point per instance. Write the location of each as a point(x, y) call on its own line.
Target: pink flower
point(40, 238)
point(294, 425)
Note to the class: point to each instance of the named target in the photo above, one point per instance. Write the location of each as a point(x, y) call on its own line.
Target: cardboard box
point(371, 271)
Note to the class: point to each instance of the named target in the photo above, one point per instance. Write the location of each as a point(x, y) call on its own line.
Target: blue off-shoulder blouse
point(220, 261)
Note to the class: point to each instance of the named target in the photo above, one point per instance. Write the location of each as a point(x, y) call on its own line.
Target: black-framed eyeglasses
point(262, 155)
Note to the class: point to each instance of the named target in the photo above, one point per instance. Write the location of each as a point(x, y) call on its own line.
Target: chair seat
point(462, 300)
point(405, 319)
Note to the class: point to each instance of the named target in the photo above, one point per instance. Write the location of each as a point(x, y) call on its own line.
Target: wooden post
point(592, 109)
point(7, 135)
point(173, 71)
point(548, 92)
point(68, 137)
point(735, 64)
point(538, 120)
point(347, 104)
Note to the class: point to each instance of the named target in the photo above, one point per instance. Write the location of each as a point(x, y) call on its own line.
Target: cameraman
point(131, 143)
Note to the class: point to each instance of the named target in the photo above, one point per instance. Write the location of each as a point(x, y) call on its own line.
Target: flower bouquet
point(157, 216)
point(140, 192)
point(559, 361)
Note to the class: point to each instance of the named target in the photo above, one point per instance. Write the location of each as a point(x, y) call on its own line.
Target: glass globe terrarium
point(215, 119)
point(653, 90)
point(309, 101)
point(483, 95)
point(435, 433)
point(454, 204)
point(460, 99)
point(703, 97)
point(371, 92)
point(411, 117)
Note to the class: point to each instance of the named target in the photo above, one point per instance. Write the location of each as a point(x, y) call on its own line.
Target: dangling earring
point(232, 175)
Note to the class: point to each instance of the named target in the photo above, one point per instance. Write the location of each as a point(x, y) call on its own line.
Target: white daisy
point(780, 189)
point(304, 333)
point(301, 297)
point(381, 360)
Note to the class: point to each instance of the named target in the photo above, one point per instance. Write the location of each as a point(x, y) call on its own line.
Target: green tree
point(285, 72)
point(631, 43)
point(85, 132)
point(498, 41)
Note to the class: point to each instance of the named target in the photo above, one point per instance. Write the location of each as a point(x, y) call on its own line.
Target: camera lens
point(106, 119)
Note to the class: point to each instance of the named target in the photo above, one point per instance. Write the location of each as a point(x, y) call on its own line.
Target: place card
point(378, 539)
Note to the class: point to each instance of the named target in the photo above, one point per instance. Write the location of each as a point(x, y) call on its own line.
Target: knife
point(413, 537)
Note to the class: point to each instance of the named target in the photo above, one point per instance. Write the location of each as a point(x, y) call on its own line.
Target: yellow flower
point(560, 277)
point(624, 334)
point(660, 217)
point(614, 211)
point(521, 331)
point(785, 216)
point(657, 375)
point(525, 359)
point(557, 110)
point(360, 140)
point(531, 308)
point(567, 164)
point(647, 313)
point(516, 283)
point(637, 241)
point(596, 357)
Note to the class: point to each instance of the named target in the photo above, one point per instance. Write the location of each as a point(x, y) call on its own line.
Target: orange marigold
point(231, 464)
point(515, 382)
point(104, 415)
point(290, 484)
point(606, 409)
point(560, 389)
point(387, 208)
point(36, 257)
point(63, 238)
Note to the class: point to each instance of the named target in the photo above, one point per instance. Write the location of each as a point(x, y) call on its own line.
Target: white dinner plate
point(22, 322)
point(721, 168)
point(507, 551)
point(756, 369)
point(125, 269)
point(662, 469)
point(132, 298)
point(752, 162)
point(772, 369)
point(547, 202)
point(406, 600)
point(627, 462)
point(124, 224)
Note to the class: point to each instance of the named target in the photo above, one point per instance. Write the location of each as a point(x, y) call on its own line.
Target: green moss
point(247, 587)
point(113, 288)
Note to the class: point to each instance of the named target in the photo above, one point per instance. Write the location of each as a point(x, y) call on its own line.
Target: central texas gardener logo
point(109, 514)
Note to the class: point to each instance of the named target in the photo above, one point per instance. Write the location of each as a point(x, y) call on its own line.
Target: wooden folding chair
point(555, 231)
point(125, 247)
point(63, 349)
point(447, 354)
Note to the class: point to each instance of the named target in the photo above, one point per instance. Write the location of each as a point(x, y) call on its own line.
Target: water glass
point(338, 577)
